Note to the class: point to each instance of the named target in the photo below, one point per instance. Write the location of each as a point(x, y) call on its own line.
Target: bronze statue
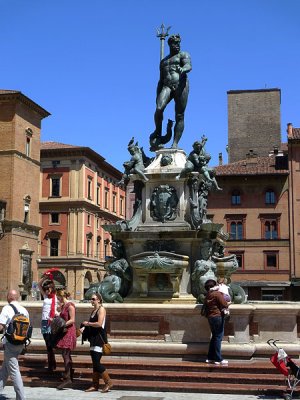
point(204, 269)
point(117, 281)
point(197, 161)
point(135, 165)
point(173, 84)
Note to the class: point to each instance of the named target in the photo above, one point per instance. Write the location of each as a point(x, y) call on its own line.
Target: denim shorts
point(45, 327)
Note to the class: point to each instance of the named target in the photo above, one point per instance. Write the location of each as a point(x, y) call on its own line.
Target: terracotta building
point(20, 125)
point(294, 206)
point(79, 194)
point(254, 208)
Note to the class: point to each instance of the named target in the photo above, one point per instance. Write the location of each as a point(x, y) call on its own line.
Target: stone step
point(162, 374)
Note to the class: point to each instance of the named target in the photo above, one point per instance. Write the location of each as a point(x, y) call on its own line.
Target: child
point(224, 289)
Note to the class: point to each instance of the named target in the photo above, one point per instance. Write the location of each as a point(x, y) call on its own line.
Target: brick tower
point(20, 124)
point(253, 122)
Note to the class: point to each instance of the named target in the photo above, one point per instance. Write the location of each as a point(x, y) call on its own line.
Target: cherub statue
point(197, 161)
point(135, 165)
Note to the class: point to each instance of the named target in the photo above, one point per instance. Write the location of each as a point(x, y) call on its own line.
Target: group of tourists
point(57, 306)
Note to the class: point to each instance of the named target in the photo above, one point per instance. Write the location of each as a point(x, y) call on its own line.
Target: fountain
point(169, 248)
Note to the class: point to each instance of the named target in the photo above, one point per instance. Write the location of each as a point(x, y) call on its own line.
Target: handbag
point(58, 325)
point(78, 332)
point(106, 347)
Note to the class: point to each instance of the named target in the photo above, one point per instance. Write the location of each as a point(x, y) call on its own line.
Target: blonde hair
point(63, 293)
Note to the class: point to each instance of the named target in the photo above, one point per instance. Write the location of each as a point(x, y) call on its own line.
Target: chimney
point(220, 159)
point(289, 130)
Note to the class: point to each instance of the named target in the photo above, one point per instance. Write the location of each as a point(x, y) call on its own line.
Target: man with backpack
point(12, 348)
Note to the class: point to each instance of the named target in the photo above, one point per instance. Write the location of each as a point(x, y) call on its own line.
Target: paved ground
point(69, 394)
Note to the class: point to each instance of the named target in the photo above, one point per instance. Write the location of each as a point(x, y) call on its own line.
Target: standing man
point(173, 84)
point(10, 366)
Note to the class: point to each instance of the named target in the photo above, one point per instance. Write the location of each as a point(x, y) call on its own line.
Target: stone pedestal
point(160, 243)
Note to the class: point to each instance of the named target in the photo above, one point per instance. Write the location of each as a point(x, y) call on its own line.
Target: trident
point(162, 34)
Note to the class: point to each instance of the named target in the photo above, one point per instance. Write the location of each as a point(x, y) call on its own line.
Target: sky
point(94, 65)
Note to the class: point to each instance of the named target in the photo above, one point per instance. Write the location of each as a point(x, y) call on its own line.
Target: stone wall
point(253, 122)
point(180, 330)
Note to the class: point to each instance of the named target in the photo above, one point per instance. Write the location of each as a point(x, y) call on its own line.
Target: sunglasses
point(94, 298)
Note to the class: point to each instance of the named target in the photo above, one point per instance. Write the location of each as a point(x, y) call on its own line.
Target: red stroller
point(286, 367)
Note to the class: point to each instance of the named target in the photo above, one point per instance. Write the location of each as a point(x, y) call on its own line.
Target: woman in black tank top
point(96, 327)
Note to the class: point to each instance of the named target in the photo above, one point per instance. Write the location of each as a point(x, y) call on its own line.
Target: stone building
point(79, 194)
point(253, 122)
point(20, 125)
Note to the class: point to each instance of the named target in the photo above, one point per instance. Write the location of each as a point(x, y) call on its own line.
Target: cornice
point(87, 152)
point(19, 96)
point(76, 206)
point(12, 152)
point(10, 225)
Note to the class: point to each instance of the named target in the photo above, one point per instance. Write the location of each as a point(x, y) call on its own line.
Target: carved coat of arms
point(163, 205)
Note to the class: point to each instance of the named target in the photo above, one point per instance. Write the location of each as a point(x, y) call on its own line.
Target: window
point(54, 247)
point(121, 205)
point(89, 188)
point(26, 271)
point(2, 209)
point(27, 200)
point(88, 247)
point(114, 201)
point(27, 150)
point(270, 197)
point(271, 259)
point(29, 133)
point(89, 237)
point(54, 218)
point(235, 198)
point(271, 230)
point(236, 230)
point(106, 193)
point(97, 223)
point(270, 226)
point(106, 244)
point(55, 186)
point(240, 258)
point(98, 247)
point(271, 294)
point(26, 213)
point(89, 219)
point(236, 226)
point(98, 195)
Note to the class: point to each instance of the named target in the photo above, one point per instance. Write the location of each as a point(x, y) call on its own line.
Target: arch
point(87, 279)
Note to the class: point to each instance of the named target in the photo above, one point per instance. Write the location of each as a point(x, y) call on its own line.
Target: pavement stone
point(70, 394)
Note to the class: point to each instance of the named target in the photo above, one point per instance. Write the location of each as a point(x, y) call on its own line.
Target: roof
point(57, 145)
point(251, 166)
point(295, 134)
point(3, 91)
point(16, 94)
point(253, 90)
point(56, 149)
